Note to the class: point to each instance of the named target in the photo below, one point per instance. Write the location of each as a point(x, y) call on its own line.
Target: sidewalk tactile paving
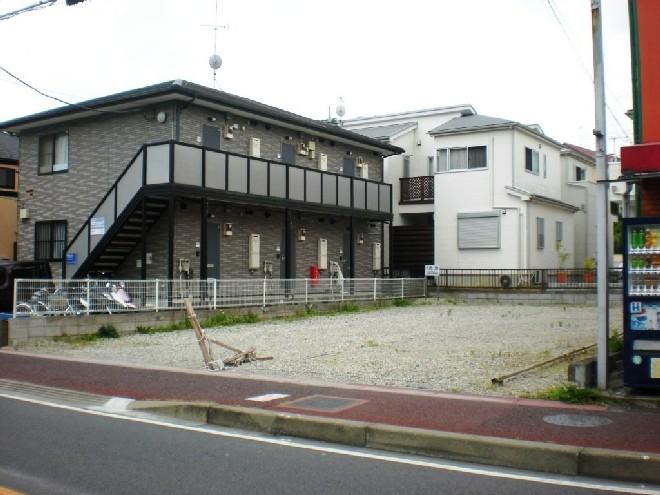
point(323, 403)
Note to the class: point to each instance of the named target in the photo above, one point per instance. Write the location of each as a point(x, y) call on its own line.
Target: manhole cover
point(323, 403)
point(577, 420)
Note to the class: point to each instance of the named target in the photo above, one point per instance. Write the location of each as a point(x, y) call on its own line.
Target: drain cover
point(323, 403)
point(577, 420)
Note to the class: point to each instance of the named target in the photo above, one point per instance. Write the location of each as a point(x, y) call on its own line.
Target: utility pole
point(601, 196)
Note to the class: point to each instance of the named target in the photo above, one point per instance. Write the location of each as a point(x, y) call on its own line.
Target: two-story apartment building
point(498, 196)
point(411, 234)
point(177, 177)
point(8, 195)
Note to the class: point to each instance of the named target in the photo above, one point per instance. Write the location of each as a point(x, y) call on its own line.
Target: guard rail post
point(374, 288)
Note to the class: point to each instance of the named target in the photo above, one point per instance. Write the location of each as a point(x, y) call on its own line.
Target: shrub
point(400, 303)
point(615, 343)
point(573, 394)
point(349, 308)
point(107, 332)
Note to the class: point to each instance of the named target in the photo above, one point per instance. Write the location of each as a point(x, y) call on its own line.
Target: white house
point(498, 196)
point(409, 241)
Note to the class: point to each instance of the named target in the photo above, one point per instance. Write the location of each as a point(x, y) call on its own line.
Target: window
point(54, 153)
point(7, 178)
point(540, 233)
point(406, 165)
point(431, 167)
point(49, 240)
point(559, 231)
point(580, 174)
point(532, 161)
point(478, 230)
point(463, 158)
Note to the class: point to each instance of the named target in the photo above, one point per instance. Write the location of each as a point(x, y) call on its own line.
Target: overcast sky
point(508, 58)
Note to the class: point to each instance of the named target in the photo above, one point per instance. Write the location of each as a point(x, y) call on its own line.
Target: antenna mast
point(215, 60)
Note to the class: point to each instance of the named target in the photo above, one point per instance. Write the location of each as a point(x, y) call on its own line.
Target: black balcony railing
point(416, 189)
point(539, 279)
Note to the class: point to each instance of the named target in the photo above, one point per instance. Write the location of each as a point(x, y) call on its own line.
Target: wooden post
point(199, 333)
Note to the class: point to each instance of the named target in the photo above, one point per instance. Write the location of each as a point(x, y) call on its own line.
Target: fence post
point(157, 297)
point(89, 300)
point(401, 288)
point(306, 291)
point(15, 295)
point(544, 279)
point(263, 300)
point(341, 286)
point(374, 289)
point(215, 294)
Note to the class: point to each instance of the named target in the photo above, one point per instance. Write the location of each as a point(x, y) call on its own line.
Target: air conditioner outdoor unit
point(302, 149)
point(228, 131)
point(360, 162)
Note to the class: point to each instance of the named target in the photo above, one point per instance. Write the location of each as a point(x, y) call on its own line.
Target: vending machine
point(641, 311)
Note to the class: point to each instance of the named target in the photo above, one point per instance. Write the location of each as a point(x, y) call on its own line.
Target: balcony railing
point(175, 163)
point(416, 189)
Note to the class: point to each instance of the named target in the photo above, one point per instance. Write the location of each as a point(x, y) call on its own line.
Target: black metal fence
point(537, 279)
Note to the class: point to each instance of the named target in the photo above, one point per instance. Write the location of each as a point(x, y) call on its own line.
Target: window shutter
point(478, 230)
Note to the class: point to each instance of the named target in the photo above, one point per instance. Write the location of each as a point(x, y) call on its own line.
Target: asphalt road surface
point(51, 450)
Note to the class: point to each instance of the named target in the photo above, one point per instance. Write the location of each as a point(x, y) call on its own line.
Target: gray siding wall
point(193, 118)
point(100, 148)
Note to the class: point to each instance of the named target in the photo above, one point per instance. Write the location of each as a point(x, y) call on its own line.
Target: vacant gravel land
point(430, 345)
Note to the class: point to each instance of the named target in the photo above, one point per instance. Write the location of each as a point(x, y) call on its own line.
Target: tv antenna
point(215, 60)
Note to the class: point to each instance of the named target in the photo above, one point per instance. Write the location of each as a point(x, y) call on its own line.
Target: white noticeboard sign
point(431, 271)
point(97, 226)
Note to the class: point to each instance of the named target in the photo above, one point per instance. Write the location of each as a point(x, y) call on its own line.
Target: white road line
point(637, 489)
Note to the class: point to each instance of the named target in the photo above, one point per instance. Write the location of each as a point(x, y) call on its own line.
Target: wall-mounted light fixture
point(349, 153)
point(161, 117)
point(227, 229)
point(301, 234)
point(197, 248)
point(212, 119)
point(288, 138)
point(360, 239)
point(277, 252)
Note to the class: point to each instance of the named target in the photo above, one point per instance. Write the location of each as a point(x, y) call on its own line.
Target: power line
point(42, 4)
point(59, 99)
point(582, 63)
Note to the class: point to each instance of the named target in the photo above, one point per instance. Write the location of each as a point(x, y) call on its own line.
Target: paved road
point(45, 450)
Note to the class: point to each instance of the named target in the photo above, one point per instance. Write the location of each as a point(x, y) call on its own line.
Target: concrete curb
point(519, 454)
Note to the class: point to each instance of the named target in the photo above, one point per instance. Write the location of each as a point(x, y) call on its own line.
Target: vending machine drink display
point(641, 265)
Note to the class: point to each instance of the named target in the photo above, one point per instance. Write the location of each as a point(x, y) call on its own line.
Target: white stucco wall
point(548, 257)
point(538, 184)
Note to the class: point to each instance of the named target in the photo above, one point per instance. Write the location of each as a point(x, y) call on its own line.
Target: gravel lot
point(430, 345)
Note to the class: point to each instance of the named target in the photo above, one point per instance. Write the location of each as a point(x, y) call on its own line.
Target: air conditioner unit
point(302, 149)
point(360, 162)
point(228, 131)
point(311, 145)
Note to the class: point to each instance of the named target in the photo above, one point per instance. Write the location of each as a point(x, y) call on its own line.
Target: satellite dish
point(215, 61)
point(341, 109)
